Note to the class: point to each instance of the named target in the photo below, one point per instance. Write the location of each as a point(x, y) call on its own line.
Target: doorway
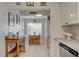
point(34, 29)
point(34, 25)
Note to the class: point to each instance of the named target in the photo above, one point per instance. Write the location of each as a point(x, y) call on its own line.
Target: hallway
point(39, 26)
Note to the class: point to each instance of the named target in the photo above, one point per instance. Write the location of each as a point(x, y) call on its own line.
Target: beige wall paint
point(3, 27)
point(75, 31)
point(56, 30)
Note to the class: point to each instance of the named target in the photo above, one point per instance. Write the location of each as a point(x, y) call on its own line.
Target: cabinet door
point(69, 13)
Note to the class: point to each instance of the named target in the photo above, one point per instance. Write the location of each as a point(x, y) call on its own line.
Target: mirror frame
point(11, 19)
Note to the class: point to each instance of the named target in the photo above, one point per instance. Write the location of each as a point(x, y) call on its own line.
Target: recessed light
point(71, 15)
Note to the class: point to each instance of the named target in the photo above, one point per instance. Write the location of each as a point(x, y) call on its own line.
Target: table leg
point(17, 45)
point(6, 49)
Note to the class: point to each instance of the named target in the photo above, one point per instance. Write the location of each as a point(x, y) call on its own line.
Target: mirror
point(11, 19)
point(17, 19)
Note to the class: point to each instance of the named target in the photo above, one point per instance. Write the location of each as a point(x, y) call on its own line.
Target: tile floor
point(35, 50)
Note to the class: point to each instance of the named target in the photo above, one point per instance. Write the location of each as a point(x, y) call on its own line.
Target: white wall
point(55, 28)
point(3, 27)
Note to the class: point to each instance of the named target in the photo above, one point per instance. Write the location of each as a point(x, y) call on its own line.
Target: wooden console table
point(34, 39)
point(17, 49)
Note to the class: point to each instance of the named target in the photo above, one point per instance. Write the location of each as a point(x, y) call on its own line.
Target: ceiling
point(27, 12)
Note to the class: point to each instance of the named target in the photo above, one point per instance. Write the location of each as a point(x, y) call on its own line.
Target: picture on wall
point(11, 19)
point(29, 3)
point(17, 19)
point(18, 3)
point(43, 3)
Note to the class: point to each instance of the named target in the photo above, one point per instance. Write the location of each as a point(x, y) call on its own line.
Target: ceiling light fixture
point(38, 15)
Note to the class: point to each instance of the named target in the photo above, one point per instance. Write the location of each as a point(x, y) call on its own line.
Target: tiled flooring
point(35, 50)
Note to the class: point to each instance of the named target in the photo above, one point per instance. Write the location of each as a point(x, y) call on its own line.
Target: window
point(34, 28)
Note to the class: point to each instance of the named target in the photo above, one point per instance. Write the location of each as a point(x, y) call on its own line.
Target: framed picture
point(11, 19)
point(18, 3)
point(43, 3)
point(17, 19)
point(29, 3)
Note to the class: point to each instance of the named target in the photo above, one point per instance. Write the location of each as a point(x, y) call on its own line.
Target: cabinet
point(69, 13)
